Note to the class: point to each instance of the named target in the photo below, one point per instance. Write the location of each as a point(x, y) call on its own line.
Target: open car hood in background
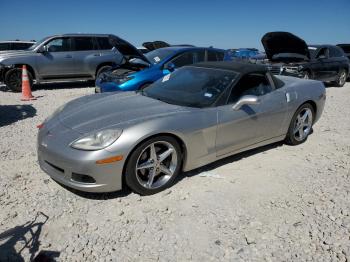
point(126, 49)
point(155, 45)
point(284, 43)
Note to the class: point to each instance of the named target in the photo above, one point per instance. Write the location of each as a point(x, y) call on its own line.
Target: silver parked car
point(65, 57)
point(192, 117)
point(15, 45)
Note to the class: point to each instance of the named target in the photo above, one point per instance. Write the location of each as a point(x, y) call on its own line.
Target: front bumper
point(78, 169)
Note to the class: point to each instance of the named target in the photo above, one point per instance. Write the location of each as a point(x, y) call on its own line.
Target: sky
point(220, 23)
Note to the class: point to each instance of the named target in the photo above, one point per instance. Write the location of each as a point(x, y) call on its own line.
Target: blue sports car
point(137, 73)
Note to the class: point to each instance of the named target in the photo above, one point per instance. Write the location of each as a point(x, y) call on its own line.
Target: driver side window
point(59, 45)
point(250, 84)
point(183, 59)
point(323, 53)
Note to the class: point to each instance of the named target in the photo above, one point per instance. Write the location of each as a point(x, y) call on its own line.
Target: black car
point(289, 55)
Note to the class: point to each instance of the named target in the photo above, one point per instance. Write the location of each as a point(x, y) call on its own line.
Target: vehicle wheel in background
point(103, 69)
point(153, 165)
point(342, 76)
point(301, 125)
point(307, 75)
point(13, 79)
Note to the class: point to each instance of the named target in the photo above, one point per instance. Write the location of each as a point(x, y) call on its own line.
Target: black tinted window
point(200, 56)
point(21, 46)
point(335, 52)
point(323, 53)
point(346, 48)
point(5, 46)
point(104, 43)
point(59, 45)
point(183, 59)
point(251, 84)
point(215, 56)
point(83, 44)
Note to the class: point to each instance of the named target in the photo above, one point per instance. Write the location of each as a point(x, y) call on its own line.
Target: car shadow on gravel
point(98, 196)
point(64, 85)
point(55, 86)
point(27, 236)
point(227, 160)
point(12, 113)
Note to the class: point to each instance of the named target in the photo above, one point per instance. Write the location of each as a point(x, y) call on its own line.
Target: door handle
point(68, 56)
point(97, 54)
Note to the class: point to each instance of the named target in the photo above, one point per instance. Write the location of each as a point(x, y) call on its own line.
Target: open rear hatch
point(284, 46)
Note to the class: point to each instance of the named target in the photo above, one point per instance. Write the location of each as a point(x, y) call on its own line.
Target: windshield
point(191, 86)
point(38, 43)
point(158, 55)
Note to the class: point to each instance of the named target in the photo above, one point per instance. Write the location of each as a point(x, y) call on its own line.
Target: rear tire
point(13, 79)
point(301, 125)
point(153, 165)
point(342, 76)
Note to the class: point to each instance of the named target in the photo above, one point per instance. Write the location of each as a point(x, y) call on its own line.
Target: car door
point(336, 58)
point(251, 124)
point(57, 61)
point(186, 58)
point(213, 55)
point(323, 67)
point(87, 55)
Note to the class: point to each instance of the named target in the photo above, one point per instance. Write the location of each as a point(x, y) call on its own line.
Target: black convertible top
point(238, 67)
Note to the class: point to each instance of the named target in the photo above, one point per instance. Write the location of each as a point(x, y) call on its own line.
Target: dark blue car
point(137, 73)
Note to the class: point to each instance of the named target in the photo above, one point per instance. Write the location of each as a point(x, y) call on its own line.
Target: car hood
point(99, 111)
point(276, 43)
point(9, 54)
point(127, 50)
point(155, 45)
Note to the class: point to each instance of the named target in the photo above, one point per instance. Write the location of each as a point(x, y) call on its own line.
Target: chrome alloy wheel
point(303, 124)
point(342, 78)
point(156, 164)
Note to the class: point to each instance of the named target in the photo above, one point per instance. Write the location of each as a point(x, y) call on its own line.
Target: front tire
point(103, 69)
point(301, 125)
point(13, 79)
point(153, 165)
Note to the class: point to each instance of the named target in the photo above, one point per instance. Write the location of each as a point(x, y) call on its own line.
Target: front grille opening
point(83, 178)
point(55, 167)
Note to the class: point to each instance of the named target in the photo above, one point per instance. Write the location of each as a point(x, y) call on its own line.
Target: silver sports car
point(194, 116)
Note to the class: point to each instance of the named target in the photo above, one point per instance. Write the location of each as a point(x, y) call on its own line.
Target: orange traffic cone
point(26, 91)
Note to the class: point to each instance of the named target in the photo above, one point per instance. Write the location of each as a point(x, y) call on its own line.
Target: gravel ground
point(277, 203)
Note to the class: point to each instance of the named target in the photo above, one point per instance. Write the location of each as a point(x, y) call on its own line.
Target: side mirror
point(246, 100)
point(170, 66)
point(43, 49)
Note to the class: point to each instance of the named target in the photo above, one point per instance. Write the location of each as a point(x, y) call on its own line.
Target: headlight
point(291, 69)
point(124, 79)
point(98, 140)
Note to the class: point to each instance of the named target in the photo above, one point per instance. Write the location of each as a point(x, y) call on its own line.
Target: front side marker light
point(109, 160)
